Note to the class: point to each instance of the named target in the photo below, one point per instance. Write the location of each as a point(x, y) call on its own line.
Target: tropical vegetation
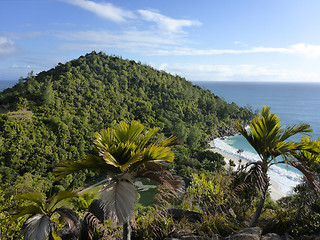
point(270, 140)
point(51, 141)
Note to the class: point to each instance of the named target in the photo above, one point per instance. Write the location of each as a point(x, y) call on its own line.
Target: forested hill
point(51, 117)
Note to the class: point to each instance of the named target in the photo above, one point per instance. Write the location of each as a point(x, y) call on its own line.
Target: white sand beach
point(274, 188)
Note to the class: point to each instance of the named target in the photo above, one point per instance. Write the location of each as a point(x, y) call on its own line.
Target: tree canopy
point(66, 105)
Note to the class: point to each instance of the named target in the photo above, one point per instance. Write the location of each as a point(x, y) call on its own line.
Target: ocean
point(6, 84)
point(294, 103)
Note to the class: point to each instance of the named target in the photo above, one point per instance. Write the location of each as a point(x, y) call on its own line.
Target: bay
point(294, 103)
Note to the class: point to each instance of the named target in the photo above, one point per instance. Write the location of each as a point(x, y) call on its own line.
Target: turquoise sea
point(294, 103)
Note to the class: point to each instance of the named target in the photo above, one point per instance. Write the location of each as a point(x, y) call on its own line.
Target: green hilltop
point(49, 120)
point(52, 117)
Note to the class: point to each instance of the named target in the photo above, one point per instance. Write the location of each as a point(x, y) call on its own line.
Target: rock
point(179, 214)
point(188, 235)
point(225, 131)
point(253, 233)
point(271, 236)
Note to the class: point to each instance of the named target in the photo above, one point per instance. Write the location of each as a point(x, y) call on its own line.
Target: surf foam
point(284, 177)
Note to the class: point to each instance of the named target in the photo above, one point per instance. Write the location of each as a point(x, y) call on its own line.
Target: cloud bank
point(7, 47)
point(104, 10)
point(164, 22)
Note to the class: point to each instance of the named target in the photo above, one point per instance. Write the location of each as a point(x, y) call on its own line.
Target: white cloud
point(307, 50)
point(243, 72)
point(7, 47)
point(104, 10)
point(302, 49)
point(142, 42)
point(167, 23)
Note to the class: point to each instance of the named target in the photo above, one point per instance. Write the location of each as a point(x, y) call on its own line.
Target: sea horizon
point(293, 102)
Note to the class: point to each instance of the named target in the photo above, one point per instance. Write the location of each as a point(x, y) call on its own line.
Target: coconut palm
point(40, 211)
point(125, 152)
point(270, 140)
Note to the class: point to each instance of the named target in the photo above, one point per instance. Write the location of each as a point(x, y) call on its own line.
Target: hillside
point(70, 102)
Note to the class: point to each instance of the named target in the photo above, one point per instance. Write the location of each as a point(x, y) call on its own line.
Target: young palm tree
point(270, 140)
point(124, 152)
point(39, 225)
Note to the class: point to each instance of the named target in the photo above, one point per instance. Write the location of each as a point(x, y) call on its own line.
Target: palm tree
point(270, 140)
point(307, 162)
point(125, 152)
point(40, 212)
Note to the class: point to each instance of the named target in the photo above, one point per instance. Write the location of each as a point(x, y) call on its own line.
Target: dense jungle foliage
point(52, 117)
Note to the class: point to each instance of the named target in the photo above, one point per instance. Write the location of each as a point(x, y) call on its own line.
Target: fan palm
point(270, 140)
point(123, 152)
point(39, 225)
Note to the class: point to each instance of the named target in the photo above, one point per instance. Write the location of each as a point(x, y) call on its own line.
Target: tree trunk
point(50, 236)
point(126, 232)
point(256, 216)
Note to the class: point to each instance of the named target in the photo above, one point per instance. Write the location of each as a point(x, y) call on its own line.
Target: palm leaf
point(157, 172)
point(71, 218)
point(126, 132)
point(88, 162)
point(55, 199)
point(151, 153)
point(27, 210)
point(122, 155)
point(34, 197)
point(309, 176)
point(119, 198)
point(144, 139)
point(37, 227)
point(290, 131)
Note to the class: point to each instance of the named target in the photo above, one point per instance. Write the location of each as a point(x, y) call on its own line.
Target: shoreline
point(274, 189)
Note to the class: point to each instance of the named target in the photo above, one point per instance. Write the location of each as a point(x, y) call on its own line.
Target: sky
point(205, 40)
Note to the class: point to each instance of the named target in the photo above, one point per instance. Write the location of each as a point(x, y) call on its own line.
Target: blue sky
point(205, 40)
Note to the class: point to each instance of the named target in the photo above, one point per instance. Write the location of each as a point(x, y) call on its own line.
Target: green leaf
point(27, 210)
point(55, 199)
point(34, 197)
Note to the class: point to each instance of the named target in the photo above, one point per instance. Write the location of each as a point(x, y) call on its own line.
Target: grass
point(20, 115)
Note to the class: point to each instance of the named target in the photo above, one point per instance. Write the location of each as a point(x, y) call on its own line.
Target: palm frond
point(71, 218)
point(27, 210)
point(157, 172)
point(126, 132)
point(122, 155)
point(37, 227)
point(88, 162)
point(292, 130)
point(309, 176)
point(55, 199)
point(144, 139)
point(119, 198)
point(34, 197)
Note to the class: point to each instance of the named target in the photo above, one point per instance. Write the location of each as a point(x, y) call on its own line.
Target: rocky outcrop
point(225, 131)
point(253, 233)
point(272, 236)
point(188, 235)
